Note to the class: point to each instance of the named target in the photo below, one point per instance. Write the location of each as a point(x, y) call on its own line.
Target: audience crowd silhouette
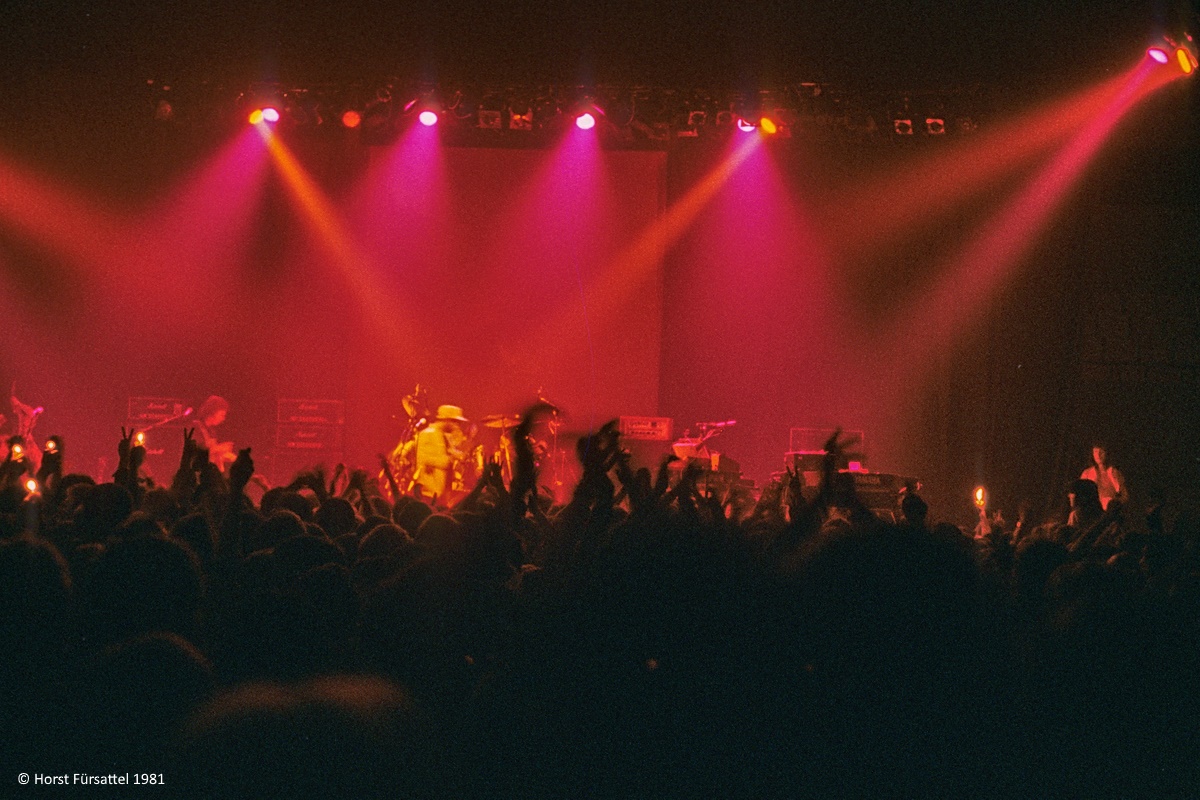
point(643, 640)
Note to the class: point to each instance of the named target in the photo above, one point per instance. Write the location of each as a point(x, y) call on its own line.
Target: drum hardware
point(402, 458)
point(557, 457)
point(502, 421)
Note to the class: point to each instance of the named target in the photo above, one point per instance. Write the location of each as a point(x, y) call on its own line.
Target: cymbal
point(505, 421)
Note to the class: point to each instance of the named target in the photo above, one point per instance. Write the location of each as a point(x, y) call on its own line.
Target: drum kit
point(471, 445)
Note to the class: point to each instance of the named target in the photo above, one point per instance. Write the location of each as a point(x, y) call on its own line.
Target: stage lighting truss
point(637, 117)
point(628, 116)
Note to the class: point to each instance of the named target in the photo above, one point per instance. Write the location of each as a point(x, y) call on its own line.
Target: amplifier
point(646, 429)
point(311, 412)
point(811, 460)
point(878, 491)
point(146, 411)
point(308, 437)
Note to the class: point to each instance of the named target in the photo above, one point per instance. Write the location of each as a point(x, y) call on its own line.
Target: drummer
point(439, 448)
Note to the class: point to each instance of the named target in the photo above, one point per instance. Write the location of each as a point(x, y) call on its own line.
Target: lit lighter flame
point(980, 496)
point(31, 486)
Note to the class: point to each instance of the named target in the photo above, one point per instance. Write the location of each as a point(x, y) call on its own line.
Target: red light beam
point(993, 256)
point(353, 265)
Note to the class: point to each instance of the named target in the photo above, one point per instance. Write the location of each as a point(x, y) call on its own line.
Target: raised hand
point(124, 445)
point(338, 472)
point(52, 459)
point(524, 479)
point(386, 468)
point(795, 493)
point(357, 480)
point(189, 449)
point(137, 454)
point(662, 481)
point(27, 415)
point(240, 471)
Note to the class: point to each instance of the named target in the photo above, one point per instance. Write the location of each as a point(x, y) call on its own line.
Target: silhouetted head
point(102, 509)
point(353, 737)
point(1084, 496)
point(915, 509)
point(140, 586)
point(336, 516)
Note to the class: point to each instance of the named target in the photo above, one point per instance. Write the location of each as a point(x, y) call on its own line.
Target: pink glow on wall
point(623, 277)
point(350, 262)
point(534, 257)
point(398, 213)
point(190, 244)
point(756, 333)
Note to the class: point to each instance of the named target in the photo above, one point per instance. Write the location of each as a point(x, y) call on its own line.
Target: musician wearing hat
point(439, 448)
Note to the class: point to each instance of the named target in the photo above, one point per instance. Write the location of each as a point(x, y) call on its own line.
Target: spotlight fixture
point(902, 127)
point(768, 125)
point(585, 111)
point(696, 119)
point(1158, 54)
point(428, 118)
point(744, 125)
point(1187, 61)
point(351, 118)
point(935, 126)
point(268, 114)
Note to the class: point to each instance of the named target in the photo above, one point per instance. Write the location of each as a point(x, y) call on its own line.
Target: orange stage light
point(1186, 61)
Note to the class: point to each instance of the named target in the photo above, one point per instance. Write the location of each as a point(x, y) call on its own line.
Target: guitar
point(220, 453)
